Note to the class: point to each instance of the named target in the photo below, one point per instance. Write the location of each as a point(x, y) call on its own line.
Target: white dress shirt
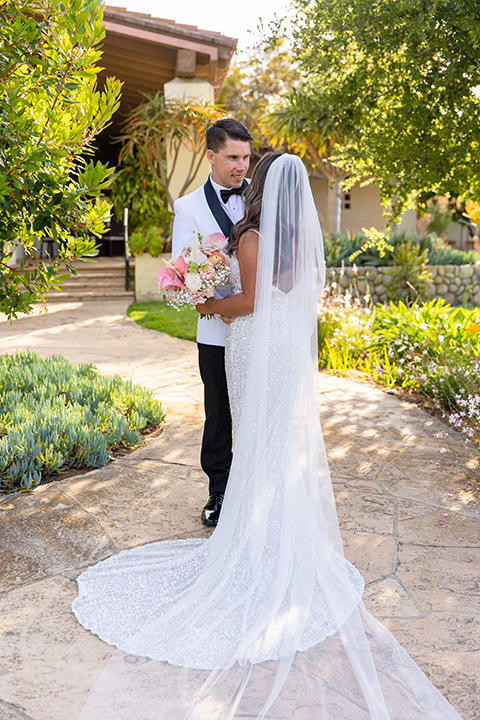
point(234, 206)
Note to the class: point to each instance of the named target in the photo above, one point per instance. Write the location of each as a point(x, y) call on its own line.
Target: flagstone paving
point(408, 498)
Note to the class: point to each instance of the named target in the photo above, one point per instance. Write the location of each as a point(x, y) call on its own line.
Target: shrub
point(155, 241)
point(412, 336)
point(137, 242)
point(453, 381)
point(55, 415)
point(339, 249)
point(138, 190)
point(343, 324)
point(408, 278)
point(433, 348)
point(149, 240)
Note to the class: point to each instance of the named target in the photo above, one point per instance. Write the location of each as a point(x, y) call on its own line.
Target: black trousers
point(216, 453)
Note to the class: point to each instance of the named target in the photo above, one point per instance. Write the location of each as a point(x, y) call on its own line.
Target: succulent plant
point(56, 415)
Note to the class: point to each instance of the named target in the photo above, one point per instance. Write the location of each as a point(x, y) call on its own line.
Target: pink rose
point(207, 273)
point(167, 277)
point(213, 242)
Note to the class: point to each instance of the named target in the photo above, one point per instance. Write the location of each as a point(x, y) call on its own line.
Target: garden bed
point(57, 416)
point(427, 351)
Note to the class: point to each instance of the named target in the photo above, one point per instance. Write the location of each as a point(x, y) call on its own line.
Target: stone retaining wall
point(451, 282)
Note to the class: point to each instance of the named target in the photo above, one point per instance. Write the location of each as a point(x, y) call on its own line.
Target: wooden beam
point(186, 63)
point(161, 39)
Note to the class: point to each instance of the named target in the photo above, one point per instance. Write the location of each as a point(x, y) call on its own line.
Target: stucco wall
point(364, 208)
point(146, 283)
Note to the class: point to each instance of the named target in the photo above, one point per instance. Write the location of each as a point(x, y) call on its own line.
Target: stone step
point(103, 279)
point(113, 273)
point(92, 283)
point(103, 265)
point(86, 295)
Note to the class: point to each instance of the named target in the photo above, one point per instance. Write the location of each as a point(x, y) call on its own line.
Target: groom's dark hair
point(218, 133)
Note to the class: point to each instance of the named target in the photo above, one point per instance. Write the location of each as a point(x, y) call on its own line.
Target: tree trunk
point(334, 204)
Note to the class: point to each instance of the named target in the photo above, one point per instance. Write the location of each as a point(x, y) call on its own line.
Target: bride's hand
point(205, 308)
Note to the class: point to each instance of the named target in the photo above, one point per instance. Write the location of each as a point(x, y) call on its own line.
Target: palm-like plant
point(155, 133)
point(304, 125)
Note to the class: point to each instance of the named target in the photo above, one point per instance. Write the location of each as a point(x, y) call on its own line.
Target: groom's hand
point(227, 319)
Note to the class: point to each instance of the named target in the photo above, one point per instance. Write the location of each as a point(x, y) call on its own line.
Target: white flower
point(193, 281)
point(196, 255)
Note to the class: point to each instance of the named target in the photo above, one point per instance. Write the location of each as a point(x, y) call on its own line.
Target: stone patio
point(407, 490)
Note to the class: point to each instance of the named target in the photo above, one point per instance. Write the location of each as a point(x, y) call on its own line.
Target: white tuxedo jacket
point(192, 211)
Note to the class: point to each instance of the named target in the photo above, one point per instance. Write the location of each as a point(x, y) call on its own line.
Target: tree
point(256, 84)
point(402, 80)
point(306, 128)
point(261, 92)
point(50, 112)
point(264, 92)
point(135, 188)
point(155, 133)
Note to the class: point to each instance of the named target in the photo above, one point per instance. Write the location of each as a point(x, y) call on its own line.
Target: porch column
point(187, 88)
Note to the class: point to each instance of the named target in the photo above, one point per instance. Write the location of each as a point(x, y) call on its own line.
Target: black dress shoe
point(211, 511)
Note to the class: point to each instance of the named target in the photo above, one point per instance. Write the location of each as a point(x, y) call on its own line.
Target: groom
point(215, 207)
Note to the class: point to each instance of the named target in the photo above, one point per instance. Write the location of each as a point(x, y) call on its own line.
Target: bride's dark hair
point(252, 197)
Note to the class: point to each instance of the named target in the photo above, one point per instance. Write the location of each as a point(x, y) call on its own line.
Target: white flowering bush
point(454, 382)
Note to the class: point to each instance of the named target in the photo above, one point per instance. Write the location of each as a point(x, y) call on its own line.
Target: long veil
point(265, 618)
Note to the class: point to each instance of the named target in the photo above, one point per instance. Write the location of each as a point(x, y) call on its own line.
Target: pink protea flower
point(213, 242)
point(167, 277)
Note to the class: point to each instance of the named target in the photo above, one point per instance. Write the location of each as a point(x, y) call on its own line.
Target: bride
point(264, 619)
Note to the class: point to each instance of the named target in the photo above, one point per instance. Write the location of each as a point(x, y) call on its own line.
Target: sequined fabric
point(237, 349)
point(264, 582)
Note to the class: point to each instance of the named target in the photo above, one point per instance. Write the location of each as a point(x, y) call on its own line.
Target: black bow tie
point(225, 194)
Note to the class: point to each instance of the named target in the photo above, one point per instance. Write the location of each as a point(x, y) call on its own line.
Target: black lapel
point(217, 210)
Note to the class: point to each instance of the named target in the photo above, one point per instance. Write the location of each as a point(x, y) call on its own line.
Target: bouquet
point(191, 278)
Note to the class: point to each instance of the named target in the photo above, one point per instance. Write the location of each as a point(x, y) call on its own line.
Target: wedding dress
point(264, 619)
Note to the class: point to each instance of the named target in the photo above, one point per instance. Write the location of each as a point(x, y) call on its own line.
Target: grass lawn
point(164, 318)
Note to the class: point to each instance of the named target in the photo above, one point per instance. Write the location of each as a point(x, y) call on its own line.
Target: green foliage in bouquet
point(55, 415)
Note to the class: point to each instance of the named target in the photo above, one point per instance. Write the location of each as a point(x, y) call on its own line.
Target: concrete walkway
point(408, 495)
